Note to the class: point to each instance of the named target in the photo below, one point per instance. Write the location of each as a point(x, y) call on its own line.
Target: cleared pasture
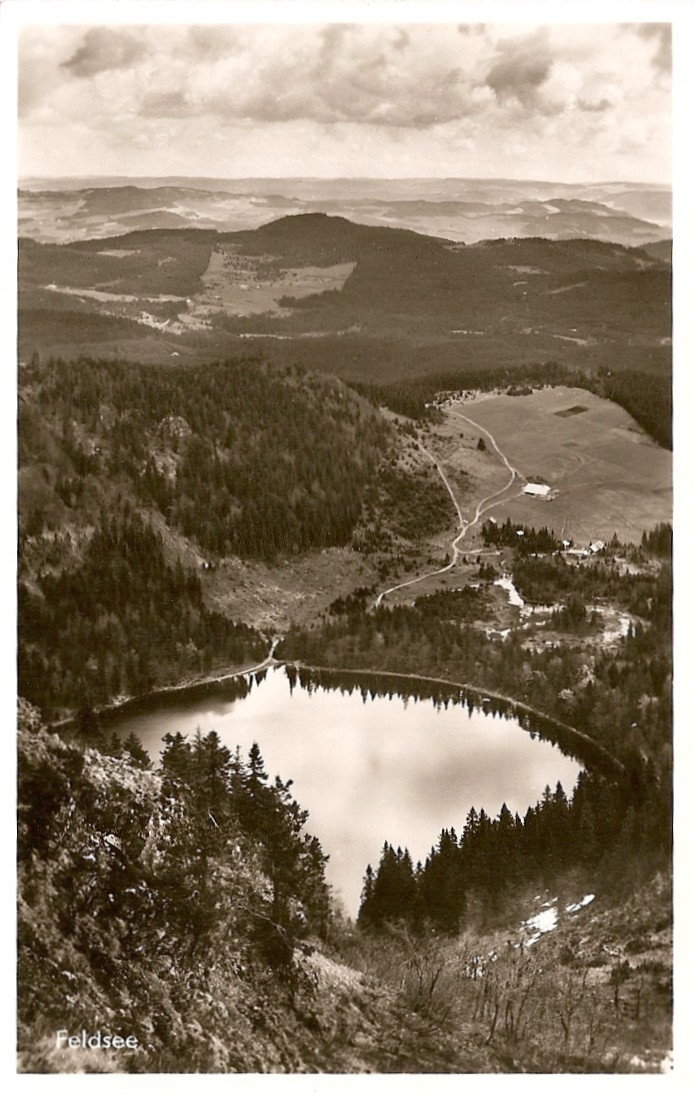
point(607, 475)
point(241, 285)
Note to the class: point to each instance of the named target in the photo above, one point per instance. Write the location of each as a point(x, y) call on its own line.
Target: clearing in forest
point(243, 285)
point(607, 475)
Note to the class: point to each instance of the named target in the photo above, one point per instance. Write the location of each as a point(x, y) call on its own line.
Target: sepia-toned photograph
point(344, 539)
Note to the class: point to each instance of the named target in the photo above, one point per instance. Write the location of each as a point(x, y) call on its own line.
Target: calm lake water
point(368, 767)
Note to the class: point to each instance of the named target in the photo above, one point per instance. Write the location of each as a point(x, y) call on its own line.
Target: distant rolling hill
point(661, 249)
point(325, 288)
point(466, 210)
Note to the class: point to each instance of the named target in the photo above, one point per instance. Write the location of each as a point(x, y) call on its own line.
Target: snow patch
point(667, 1064)
point(581, 904)
point(541, 923)
point(618, 632)
point(514, 596)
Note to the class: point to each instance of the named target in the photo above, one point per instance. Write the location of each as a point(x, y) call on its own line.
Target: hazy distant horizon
point(464, 209)
point(535, 180)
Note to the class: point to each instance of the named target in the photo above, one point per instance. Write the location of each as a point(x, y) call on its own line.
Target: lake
point(369, 761)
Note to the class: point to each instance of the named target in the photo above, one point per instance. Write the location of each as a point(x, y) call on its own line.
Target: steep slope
point(136, 483)
point(184, 908)
point(164, 907)
point(240, 456)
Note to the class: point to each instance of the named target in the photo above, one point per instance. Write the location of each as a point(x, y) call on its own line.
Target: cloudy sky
point(560, 102)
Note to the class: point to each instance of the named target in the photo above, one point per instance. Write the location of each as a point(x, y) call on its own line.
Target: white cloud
point(542, 92)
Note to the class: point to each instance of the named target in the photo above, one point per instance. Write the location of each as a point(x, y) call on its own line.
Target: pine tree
point(442, 883)
point(254, 797)
point(133, 746)
point(365, 917)
point(210, 763)
point(176, 757)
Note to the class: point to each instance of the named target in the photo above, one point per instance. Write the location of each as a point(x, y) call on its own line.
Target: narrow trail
point(168, 689)
point(482, 507)
point(266, 662)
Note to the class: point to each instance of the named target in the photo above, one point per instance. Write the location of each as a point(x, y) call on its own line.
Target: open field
point(606, 475)
point(242, 285)
point(294, 594)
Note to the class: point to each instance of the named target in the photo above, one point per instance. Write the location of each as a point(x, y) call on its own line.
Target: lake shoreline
point(121, 706)
point(187, 688)
point(515, 706)
point(406, 756)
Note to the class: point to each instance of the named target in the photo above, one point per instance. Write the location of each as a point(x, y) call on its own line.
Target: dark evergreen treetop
point(630, 818)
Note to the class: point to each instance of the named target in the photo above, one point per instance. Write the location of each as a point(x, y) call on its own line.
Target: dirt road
point(483, 506)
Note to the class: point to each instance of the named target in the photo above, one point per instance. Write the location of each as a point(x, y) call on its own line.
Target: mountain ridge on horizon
point(641, 183)
point(464, 210)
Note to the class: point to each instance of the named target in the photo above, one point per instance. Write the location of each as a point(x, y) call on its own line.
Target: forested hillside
point(121, 622)
point(240, 457)
point(171, 263)
point(161, 503)
point(187, 908)
point(602, 831)
point(129, 476)
point(163, 904)
point(189, 905)
point(411, 303)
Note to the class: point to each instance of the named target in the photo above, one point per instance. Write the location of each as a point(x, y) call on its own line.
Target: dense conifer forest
point(188, 901)
point(120, 623)
point(134, 481)
point(610, 831)
point(526, 541)
point(241, 457)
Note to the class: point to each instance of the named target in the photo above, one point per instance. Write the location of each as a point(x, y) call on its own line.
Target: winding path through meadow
point(483, 506)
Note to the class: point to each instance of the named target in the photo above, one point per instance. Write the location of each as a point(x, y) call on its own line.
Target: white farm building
point(538, 490)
